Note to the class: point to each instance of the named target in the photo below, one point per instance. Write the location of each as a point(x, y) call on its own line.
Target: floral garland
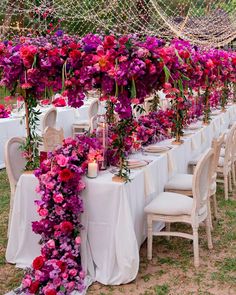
point(58, 269)
point(154, 127)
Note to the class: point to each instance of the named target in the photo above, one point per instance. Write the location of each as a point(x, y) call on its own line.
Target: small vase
point(119, 179)
point(177, 140)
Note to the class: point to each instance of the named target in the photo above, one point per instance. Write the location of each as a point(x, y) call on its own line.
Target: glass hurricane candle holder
point(102, 135)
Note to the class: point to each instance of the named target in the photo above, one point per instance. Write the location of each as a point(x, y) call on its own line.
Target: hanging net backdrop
point(203, 22)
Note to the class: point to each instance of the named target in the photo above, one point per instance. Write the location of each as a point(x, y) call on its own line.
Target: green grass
point(171, 271)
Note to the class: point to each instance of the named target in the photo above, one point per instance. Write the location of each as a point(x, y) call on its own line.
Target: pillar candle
point(92, 170)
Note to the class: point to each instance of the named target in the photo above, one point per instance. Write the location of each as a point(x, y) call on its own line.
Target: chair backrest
point(148, 103)
point(233, 146)
point(217, 144)
point(229, 146)
point(50, 119)
point(93, 109)
point(93, 123)
point(52, 138)
point(14, 161)
point(202, 179)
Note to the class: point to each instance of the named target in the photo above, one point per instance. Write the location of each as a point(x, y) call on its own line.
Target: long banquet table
point(114, 219)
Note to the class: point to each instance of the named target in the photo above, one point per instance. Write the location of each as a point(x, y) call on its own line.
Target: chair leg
point(150, 238)
point(226, 187)
point(230, 182)
point(168, 229)
point(209, 212)
point(233, 174)
point(195, 247)
point(208, 232)
point(215, 206)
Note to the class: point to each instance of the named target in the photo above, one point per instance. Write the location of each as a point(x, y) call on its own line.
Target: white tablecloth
point(9, 128)
point(114, 219)
point(12, 127)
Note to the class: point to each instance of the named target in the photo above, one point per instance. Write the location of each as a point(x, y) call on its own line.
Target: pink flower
point(78, 240)
point(51, 244)
point(43, 212)
point(26, 86)
point(26, 282)
point(59, 210)
point(82, 274)
point(58, 198)
point(65, 276)
point(57, 282)
point(8, 98)
point(81, 186)
point(135, 100)
point(73, 272)
point(50, 185)
point(62, 160)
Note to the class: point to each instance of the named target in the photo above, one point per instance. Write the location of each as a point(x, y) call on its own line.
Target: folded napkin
point(156, 149)
point(195, 126)
point(135, 163)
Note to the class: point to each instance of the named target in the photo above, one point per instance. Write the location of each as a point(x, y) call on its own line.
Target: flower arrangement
point(154, 127)
point(4, 111)
point(58, 269)
point(125, 69)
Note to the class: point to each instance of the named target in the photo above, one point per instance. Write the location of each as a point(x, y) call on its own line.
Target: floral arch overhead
point(206, 23)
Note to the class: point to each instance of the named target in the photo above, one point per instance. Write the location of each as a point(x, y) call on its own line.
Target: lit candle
point(92, 170)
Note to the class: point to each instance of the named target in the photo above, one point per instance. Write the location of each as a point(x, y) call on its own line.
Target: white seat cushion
point(195, 160)
point(221, 162)
point(81, 122)
point(170, 204)
point(180, 182)
point(222, 152)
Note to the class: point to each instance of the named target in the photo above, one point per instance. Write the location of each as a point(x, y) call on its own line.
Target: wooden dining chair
point(82, 126)
point(216, 145)
point(170, 207)
point(225, 164)
point(15, 164)
point(52, 138)
point(49, 119)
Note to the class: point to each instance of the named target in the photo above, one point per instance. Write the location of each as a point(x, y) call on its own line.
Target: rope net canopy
point(203, 22)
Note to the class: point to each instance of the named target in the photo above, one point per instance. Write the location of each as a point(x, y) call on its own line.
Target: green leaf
point(180, 84)
point(133, 89)
point(167, 73)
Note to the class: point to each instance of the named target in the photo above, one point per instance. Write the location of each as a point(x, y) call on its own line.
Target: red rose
point(59, 102)
point(61, 265)
point(65, 175)
point(51, 292)
point(38, 263)
point(34, 287)
point(66, 227)
point(109, 42)
point(75, 54)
